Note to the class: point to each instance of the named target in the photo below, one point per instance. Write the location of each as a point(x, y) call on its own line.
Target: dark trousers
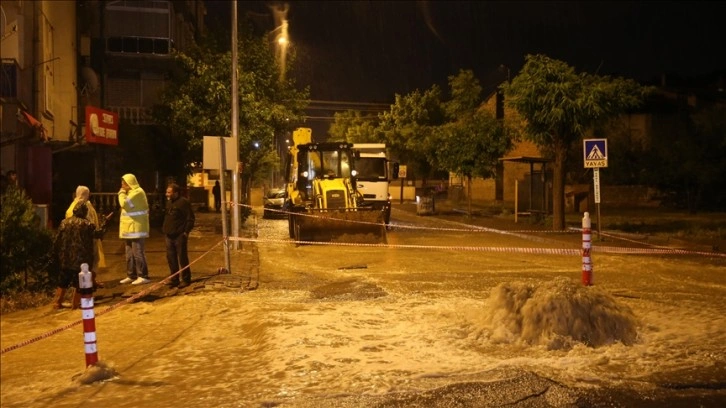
point(177, 257)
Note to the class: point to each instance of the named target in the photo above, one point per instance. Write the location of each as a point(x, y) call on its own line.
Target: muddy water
point(370, 326)
point(410, 316)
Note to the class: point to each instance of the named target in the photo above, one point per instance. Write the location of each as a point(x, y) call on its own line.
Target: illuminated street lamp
point(282, 40)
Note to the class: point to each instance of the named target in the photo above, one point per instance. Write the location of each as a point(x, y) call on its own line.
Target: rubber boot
point(60, 293)
point(76, 299)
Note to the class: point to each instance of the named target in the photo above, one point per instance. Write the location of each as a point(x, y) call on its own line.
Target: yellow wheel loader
point(322, 201)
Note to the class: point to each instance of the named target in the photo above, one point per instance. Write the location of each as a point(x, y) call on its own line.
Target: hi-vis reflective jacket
point(134, 219)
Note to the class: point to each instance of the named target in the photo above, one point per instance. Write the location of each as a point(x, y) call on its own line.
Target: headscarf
point(83, 193)
point(80, 210)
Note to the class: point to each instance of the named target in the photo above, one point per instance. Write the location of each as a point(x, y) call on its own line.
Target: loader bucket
point(350, 226)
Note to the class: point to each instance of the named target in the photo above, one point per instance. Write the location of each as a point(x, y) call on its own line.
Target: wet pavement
point(206, 255)
point(365, 327)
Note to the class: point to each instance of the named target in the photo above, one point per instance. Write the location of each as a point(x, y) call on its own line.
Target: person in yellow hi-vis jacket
point(134, 229)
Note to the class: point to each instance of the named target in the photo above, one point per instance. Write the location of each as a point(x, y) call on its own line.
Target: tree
point(472, 141)
point(709, 167)
point(24, 244)
point(560, 105)
point(198, 102)
point(354, 127)
point(408, 127)
point(687, 159)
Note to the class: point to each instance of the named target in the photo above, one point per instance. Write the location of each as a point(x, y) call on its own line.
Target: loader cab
point(323, 161)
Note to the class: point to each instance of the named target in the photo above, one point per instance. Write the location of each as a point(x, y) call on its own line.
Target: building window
point(138, 45)
point(9, 80)
point(47, 66)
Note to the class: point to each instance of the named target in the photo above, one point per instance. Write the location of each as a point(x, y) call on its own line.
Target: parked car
point(273, 202)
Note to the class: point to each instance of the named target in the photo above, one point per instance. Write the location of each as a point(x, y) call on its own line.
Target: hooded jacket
point(134, 218)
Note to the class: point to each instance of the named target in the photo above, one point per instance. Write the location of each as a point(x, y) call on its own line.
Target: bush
point(25, 246)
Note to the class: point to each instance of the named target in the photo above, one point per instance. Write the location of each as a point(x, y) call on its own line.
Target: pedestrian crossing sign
point(596, 153)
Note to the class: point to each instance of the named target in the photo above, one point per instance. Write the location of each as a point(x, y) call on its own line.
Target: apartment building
point(62, 59)
point(38, 99)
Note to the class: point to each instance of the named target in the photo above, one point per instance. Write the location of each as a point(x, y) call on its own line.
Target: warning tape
point(558, 251)
point(151, 288)
point(41, 337)
point(654, 249)
point(517, 250)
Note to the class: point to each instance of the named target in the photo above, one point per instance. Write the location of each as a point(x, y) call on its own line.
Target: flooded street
point(441, 317)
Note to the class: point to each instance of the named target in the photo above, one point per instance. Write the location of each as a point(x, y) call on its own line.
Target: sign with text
point(596, 153)
point(101, 126)
point(596, 183)
point(402, 171)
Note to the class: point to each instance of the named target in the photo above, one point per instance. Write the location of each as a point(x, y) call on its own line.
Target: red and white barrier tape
point(519, 250)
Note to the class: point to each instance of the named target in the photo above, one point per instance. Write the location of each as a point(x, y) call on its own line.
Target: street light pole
point(235, 133)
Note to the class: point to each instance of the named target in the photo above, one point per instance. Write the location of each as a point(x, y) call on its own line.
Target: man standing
point(178, 223)
point(134, 229)
point(217, 193)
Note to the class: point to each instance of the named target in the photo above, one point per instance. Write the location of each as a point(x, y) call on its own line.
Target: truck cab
point(375, 172)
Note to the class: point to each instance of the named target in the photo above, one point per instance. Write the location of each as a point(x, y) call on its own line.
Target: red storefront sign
point(101, 126)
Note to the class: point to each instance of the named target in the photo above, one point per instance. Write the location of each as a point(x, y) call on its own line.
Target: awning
point(35, 124)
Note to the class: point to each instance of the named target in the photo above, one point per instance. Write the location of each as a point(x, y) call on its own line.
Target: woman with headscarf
point(72, 247)
point(82, 196)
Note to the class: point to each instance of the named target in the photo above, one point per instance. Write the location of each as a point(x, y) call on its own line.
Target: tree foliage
point(687, 160)
point(24, 244)
point(455, 135)
point(472, 141)
point(354, 127)
point(198, 102)
point(560, 105)
point(408, 128)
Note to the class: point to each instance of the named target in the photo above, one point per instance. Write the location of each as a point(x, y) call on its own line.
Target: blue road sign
point(596, 152)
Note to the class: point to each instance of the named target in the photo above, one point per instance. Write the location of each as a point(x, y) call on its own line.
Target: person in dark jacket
point(73, 246)
point(178, 223)
point(217, 193)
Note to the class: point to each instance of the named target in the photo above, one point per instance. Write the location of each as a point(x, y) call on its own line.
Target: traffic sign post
point(596, 156)
point(402, 175)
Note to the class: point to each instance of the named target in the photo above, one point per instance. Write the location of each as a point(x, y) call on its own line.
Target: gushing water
point(557, 314)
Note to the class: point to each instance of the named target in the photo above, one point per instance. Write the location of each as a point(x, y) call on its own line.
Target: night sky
point(367, 51)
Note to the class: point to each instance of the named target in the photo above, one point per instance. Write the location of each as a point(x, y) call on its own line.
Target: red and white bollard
point(586, 246)
point(85, 284)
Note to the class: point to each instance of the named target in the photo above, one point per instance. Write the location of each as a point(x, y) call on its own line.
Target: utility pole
point(235, 133)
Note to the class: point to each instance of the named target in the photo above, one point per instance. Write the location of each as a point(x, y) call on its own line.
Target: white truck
point(375, 172)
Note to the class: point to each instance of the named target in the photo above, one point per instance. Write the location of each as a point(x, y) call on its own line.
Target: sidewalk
point(206, 256)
